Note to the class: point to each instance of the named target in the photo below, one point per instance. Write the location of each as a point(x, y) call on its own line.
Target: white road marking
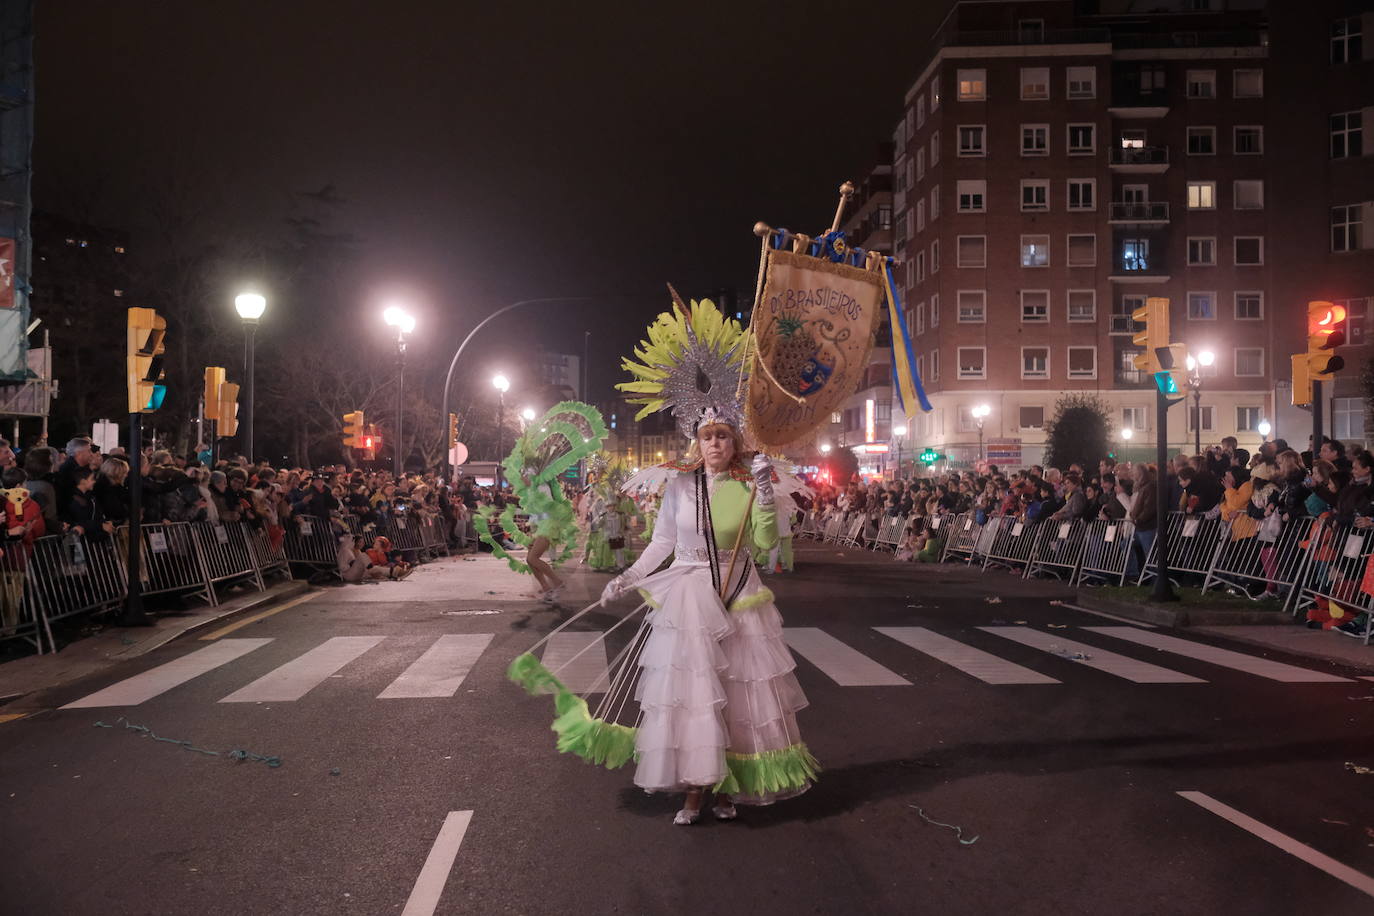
point(843, 664)
point(983, 665)
point(441, 670)
point(429, 886)
point(1260, 667)
point(145, 686)
point(578, 659)
point(297, 677)
point(1119, 665)
point(1088, 610)
point(1341, 872)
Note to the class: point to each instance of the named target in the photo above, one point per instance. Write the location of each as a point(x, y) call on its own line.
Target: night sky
point(484, 153)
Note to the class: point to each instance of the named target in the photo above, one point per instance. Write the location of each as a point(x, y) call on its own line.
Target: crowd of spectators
point(1274, 485)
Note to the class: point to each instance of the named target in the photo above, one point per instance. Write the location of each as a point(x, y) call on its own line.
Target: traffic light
point(214, 378)
point(452, 430)
point(353, 429)
point(1325, 332)
point(1171, 378)
point(1302, 381)
point(143, 357)
point(1154, 316)
point(228, 410)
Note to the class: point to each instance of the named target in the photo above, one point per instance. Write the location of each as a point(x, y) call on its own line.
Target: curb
point(282, 591)
point(1182, 617)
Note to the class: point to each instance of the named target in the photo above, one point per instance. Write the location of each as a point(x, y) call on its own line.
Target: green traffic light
point(1166, 383)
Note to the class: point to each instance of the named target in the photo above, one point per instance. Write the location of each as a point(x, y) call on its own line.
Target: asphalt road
point(1071, 785)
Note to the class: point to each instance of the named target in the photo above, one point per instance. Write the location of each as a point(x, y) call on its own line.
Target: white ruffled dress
point(717, 691)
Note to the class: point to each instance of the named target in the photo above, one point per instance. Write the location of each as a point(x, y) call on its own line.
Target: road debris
point(958, 831)
point(993, 600)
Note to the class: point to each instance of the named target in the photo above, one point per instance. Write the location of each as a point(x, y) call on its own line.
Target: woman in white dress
point(717, 690)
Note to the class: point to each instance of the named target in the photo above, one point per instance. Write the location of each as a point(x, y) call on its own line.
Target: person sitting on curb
point(354, 565)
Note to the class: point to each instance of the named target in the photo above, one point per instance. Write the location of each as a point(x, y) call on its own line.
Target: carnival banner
point(813, 328)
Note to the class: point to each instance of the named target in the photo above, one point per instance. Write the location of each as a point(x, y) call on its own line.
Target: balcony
point(1236, 38)
point(954, 38)
point(1129, 101)
point(1144, 213)
point(1139, 160)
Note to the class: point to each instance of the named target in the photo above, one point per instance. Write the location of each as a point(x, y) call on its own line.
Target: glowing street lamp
point(825, 448)
point(250, 307)
point(1195, 366)
point(980, 413)
point(502, 385)
point(1127, 434)
point(1264, 429)
point(404, 323)
point(898, 433)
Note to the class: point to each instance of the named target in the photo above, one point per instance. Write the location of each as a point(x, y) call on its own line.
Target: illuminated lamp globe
point(1126, 434)
point(250, 306)
point(500, 383)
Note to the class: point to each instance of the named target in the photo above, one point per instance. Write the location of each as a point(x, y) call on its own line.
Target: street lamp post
point(1264, 429)
point(502, 385)
point(404, 323)
point(250, 307)
point(898, 432)
point(1195, 365)
point(980, 413)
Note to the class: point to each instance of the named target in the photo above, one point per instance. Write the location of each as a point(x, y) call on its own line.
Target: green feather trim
point(769, 772)
point(762, 596)
point(594, 740)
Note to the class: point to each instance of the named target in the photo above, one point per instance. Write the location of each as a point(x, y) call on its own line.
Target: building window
point(1082, 250)
point(935, 256)
point(1247, 419)
point(1035, 82)
point(1035, 251)
point(1202, 141)
point(1202, 306)
point(1250, 305)
point(1347, 40)
point(1248, 140)
point(920, 367)
point(1031, 418)
point(934, 148)
point(1347, 418)
point(1249, 362)
point(972, 196)
point(1347, 135)
point(1202, 84)
point(1035, 194)
point(1082, 139)
point(1035, 305)
point(1193, 416)
point(920, 166)
point(921, 215)
point(973, 85)
point(920, 111)
point(1035, 139)
point(1082, 82)
point(920, 319)
point(1202, 195)
point(935, 310)
point(1249, 250)
point(1151, 79)
point(934, 92)
point(1030, 31)
point(1122, 322)
point(973, 251)
point(972, 306)
point(1346, 228)
point(920, 267)
point(972, 363)
point(934, 365)
point(1248, 195)
point(1135, 254)
point(971, 140)
point(1133, 418)
point(934, 203)
point(1082, 304)
point(1035, 362)
point(1082, 193)
point(910, 323)
point(1247, 84)
point(1082, 362)
point(1202, 252)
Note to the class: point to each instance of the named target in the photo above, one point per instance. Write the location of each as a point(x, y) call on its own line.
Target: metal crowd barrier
point(1059, 550)
point(1194, 543)
point(855, 530)
point(810, 526)
point(1253, 555)
point(269, 550)
point(963, 535)
point(1106, 552)
point(59, 577)
point(1339, 569)
point(833, 528)
point(226, 555)
point(890, 531)
point(313, 541)
point(1011, 545)
point(170, 562)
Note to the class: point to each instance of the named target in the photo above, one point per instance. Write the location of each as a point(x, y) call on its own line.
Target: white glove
point(762, 468)
point(615, 588)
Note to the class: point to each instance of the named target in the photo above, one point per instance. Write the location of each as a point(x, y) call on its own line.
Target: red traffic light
point(367, 442)
point(1324, 317)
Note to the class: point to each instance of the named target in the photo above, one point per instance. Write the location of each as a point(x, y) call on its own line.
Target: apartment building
point(1059, 162)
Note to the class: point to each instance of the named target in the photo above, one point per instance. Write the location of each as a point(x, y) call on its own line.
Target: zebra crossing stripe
point(1119, 665)
point(297, 677)
point(985, 666)
point(429, 886)
point(578, 658)
point(154, 681)
point(1261, 667)
point(441, 670)
point(843, 664)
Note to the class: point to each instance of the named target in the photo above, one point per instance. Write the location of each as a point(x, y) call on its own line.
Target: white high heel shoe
point(725, 812)
point(687, 817)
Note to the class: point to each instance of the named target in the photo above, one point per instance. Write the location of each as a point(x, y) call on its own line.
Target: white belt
point(699, 554)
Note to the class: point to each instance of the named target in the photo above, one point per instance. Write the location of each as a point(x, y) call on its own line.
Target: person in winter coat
point(1144, 517)
point(82, 513)
point(112, 491)
point(1288, 498)
point(38, 465)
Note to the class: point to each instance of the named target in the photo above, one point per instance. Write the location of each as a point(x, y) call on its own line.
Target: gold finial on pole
point(846, 192)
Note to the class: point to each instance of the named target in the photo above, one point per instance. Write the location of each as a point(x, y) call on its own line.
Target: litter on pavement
point(234, 754)
point(1356, 768)
point(958, 831)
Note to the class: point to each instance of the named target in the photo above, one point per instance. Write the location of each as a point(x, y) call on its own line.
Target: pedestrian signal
point(145, 344)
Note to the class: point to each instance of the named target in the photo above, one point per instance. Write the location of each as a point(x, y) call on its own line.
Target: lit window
point(1082, 305)
point(973, 85)
point(1249, 306)
point(119, 249)
point(1248, 140)
point(1082, 362)
point(1035, 251)
point(1135, 254)
point(972, 363)
point(1035, 82)
point(1202, 195)
point(1202, 141)
point(1035, 305)
point(1202, 252)
point(1082, 250)
point(119, 294)
point(972, 195)
point(1248, 84)
point(1035, 362)
point(1202, 306)
point(1035, 139)
point(1082, 194)
point(1249, 250)
point(972, 306)
point(972, 140)
point(1082, 82)
point(1202, 84)
point(1035, 194)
